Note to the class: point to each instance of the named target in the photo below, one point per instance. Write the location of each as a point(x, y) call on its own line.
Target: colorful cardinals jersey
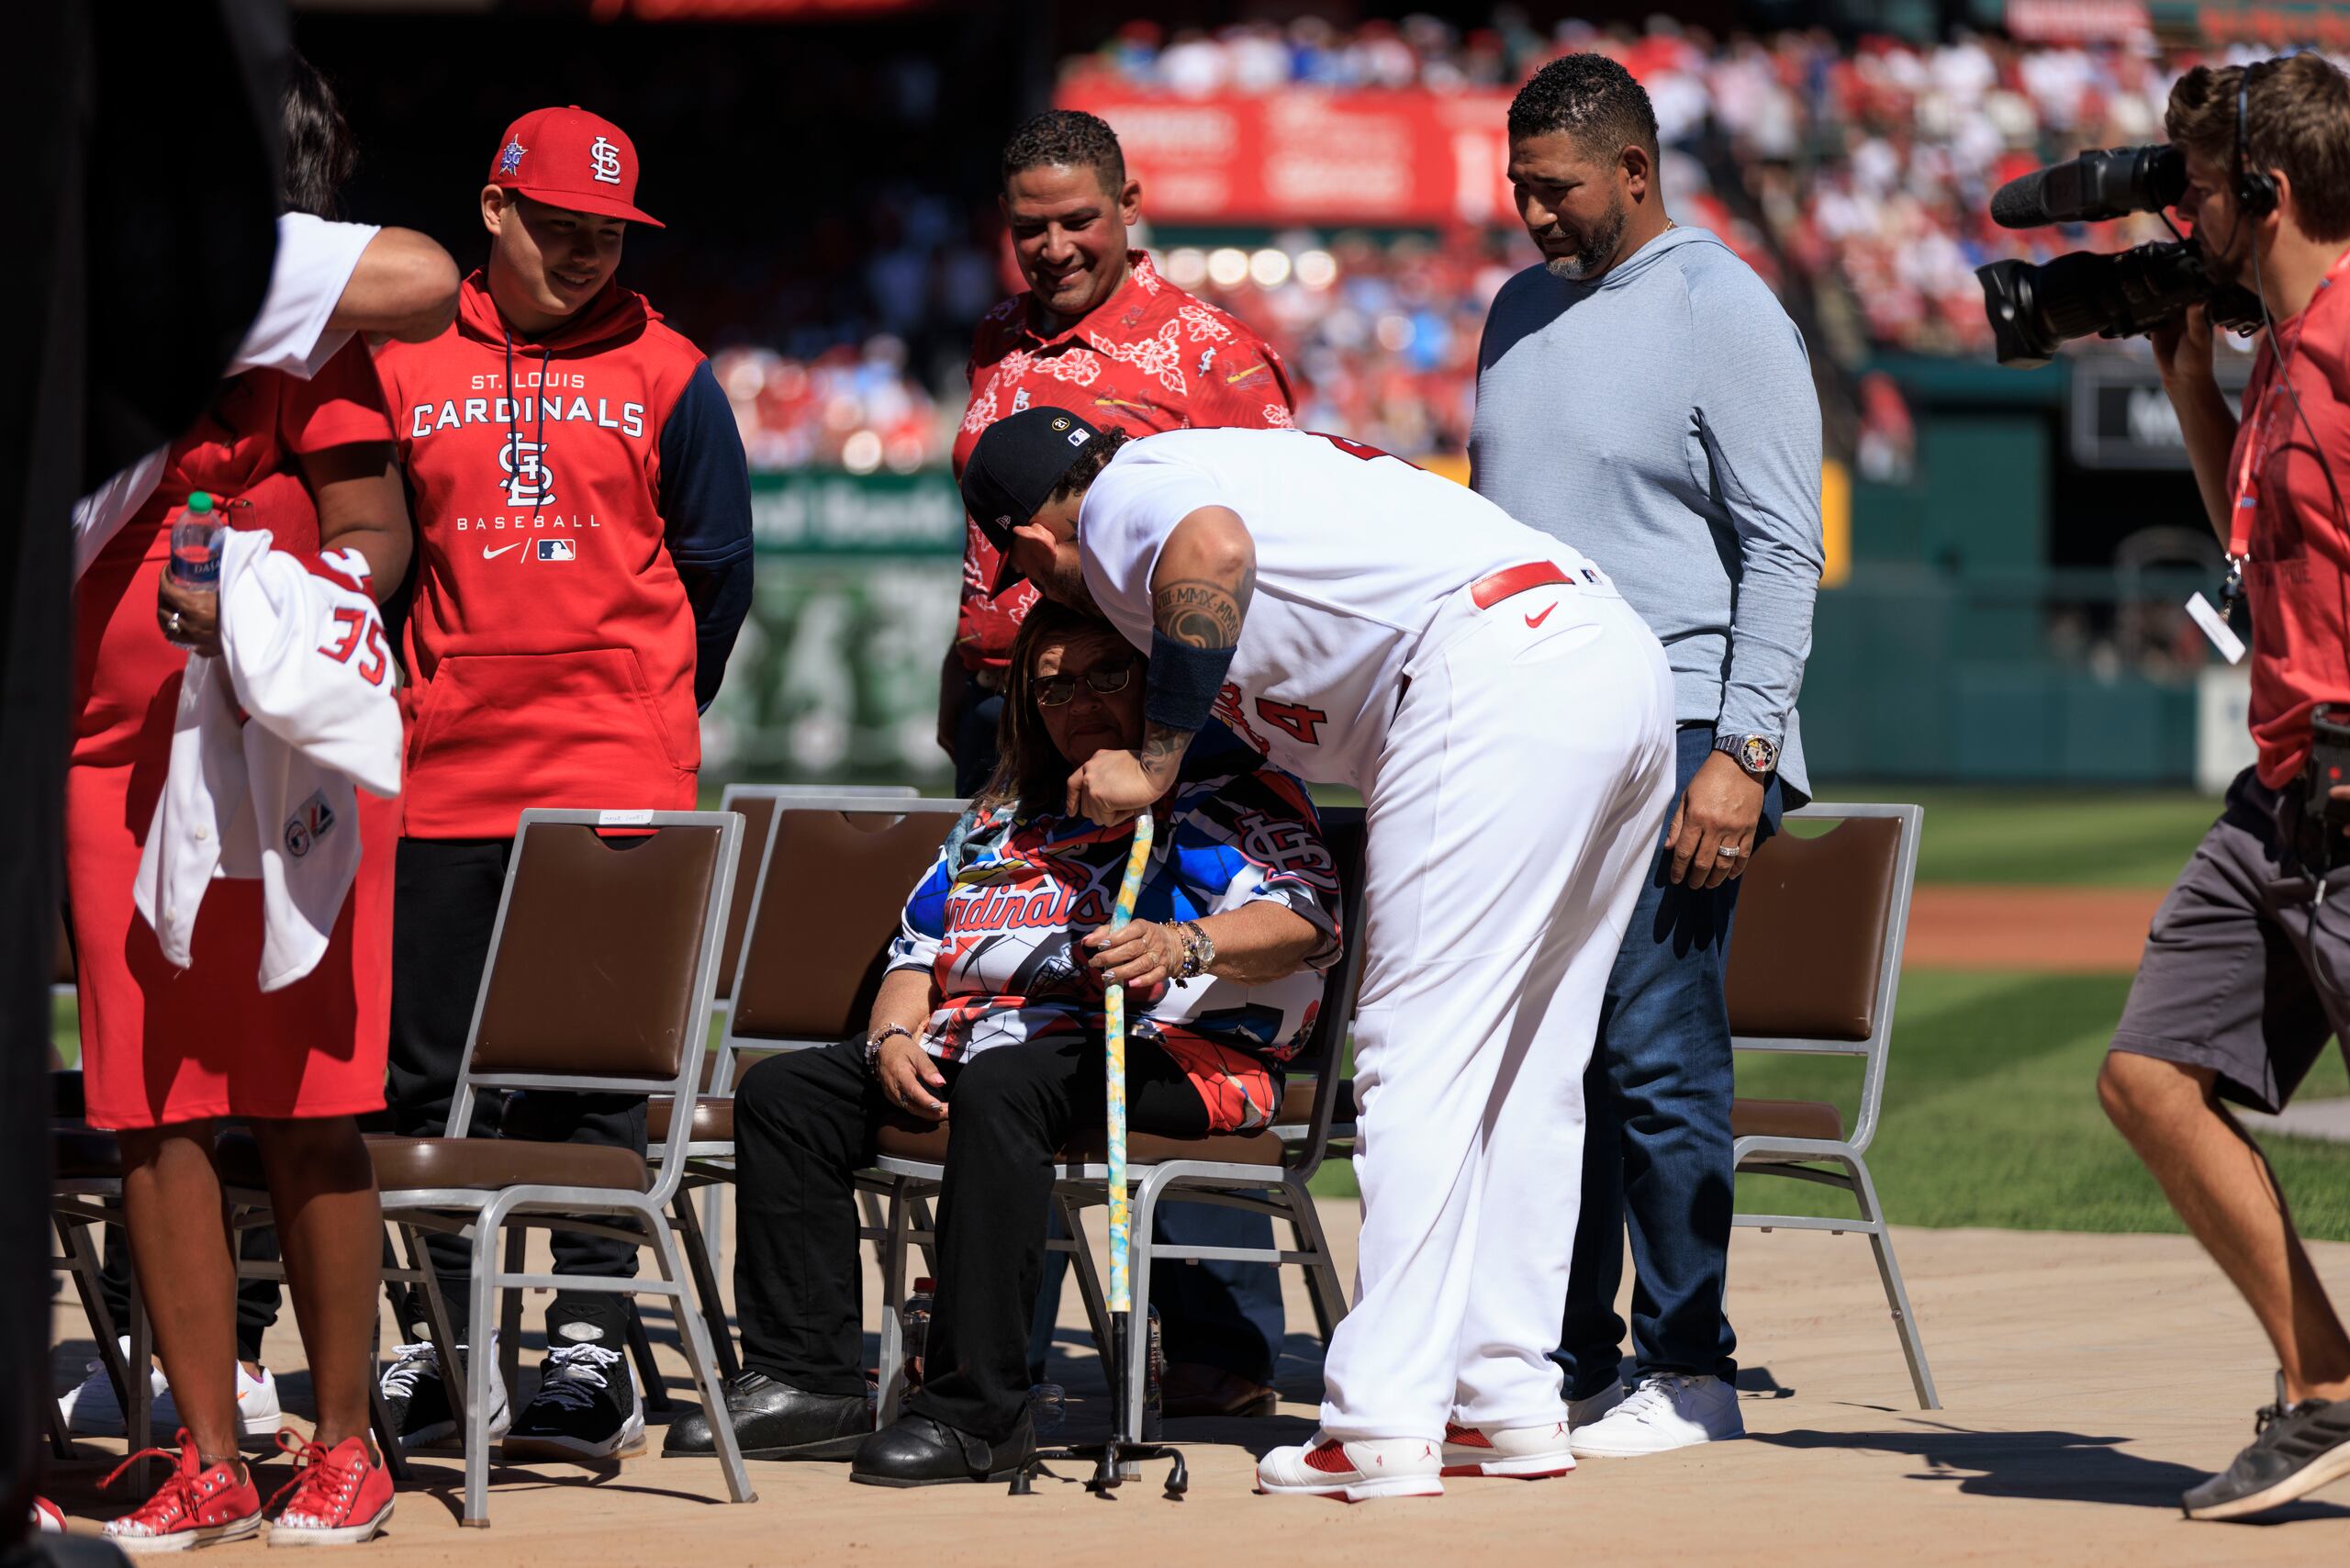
point(1151, 358)
point(583, 562)
point(1356, 552)
point(997, 919)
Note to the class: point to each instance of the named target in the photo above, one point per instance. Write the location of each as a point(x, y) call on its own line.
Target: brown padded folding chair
point(758, 804)
point(1263, 1173)
point(1814, 970)
point(601, 970)
point(816, 925)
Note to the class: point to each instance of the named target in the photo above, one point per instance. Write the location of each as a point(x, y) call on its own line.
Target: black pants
point(804, 1124)
point(445, 904)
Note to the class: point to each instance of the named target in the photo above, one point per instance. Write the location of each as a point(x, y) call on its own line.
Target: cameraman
point(2242, 979)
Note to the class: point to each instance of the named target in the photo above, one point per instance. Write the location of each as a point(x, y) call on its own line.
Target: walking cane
point(1111, 1453)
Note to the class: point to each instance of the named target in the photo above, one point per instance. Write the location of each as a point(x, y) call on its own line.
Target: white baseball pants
point(1516, 803)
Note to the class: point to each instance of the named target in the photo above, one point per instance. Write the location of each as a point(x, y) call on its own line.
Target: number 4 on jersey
point(1302, 723)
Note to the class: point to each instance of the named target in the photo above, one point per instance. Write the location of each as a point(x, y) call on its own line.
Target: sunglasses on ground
point(1054, 690)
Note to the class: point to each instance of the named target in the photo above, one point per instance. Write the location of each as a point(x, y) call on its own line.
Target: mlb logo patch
point(310, 822)
point(557, 550)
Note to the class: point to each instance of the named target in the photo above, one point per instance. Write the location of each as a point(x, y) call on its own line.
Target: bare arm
point(2182, 353)
point(405, 287)
point(361, 506)
point(1261, 941)
point(1199, 591)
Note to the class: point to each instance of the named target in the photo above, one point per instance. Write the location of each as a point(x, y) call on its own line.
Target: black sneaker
point(586, 1408)
point(418, 1400)
point(2298, 1449)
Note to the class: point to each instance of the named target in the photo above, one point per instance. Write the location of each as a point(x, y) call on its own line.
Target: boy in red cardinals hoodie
point(583, 563)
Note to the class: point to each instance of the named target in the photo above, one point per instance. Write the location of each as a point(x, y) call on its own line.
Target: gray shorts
point(2244, 969)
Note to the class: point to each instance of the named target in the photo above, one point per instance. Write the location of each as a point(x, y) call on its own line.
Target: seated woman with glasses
point(990, 1021)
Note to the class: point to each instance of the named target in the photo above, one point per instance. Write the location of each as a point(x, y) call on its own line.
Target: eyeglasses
point(1055, 690)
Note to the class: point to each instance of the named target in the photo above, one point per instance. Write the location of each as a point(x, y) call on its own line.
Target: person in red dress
point(167, 1052)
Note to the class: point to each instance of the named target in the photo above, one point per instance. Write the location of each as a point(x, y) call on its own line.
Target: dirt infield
point(2088, 1379)
point(2048, 930)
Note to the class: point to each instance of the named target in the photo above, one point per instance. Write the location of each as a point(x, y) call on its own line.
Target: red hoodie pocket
point(500, 732)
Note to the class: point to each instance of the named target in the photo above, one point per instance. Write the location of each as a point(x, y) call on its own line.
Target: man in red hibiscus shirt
point(1099, 331)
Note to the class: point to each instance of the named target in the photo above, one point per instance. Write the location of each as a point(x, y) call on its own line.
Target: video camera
point(2087, 293)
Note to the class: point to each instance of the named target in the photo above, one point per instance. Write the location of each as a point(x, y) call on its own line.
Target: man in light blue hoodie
point(1642, 396)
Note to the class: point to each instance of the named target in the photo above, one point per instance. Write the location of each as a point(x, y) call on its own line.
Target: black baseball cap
point(1012, 471)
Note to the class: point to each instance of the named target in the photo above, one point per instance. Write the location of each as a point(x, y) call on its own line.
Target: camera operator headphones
point(2255, 188)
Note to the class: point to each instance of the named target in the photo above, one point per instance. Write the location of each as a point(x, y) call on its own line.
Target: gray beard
point(1595, 256)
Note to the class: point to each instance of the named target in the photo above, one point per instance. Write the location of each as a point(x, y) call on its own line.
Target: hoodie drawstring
point(514, 432)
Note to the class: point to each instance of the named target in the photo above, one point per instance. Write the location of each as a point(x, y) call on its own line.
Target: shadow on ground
point(2045, 1466)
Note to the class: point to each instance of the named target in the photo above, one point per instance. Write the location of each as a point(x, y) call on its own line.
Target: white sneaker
point(92, 1410)
point(47, 1519)
point(1584, 1412)
point(1387, 1467)
point(1666, 1411)
point(1525, 1453)
point(259, 1415)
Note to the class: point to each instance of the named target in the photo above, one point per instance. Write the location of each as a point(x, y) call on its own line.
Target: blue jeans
point(1224, 1314)
point(1657, 1139)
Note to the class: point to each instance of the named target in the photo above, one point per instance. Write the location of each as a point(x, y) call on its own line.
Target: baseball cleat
point(1377, 1467)
point(1523, 1454)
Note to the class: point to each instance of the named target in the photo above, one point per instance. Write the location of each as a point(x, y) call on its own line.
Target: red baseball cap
point(570, 158)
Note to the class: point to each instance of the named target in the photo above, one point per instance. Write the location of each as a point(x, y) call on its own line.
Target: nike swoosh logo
point(489, 555)
point(1538, 619)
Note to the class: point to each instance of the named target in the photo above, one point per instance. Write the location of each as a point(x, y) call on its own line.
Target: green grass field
point(2038, 837)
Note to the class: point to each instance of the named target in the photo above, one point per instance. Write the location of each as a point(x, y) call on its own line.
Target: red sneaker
point(48, 1518)
point(195, 1506)
point(342, 1495)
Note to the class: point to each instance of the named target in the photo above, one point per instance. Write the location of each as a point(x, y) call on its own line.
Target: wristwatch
point(1759, 755)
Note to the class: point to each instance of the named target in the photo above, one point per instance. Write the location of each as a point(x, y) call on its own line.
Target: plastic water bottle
point(913, 1323)
point(195, 548)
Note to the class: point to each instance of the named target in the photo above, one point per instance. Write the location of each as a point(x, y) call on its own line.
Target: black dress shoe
point(774, 1421)
point(919, 1452)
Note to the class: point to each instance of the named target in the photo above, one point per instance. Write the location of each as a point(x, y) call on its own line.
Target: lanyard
point(2243, 510)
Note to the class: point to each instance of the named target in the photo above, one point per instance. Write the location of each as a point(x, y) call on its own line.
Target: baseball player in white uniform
point(1509, 722)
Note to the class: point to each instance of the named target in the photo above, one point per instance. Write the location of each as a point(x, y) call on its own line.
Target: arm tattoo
point(1202, 612)
point(1162, 745)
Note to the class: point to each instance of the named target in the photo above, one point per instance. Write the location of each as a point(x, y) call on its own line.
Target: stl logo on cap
point(510, 158)
point(608, 161)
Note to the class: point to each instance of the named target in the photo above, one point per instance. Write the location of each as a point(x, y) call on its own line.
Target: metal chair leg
point(509, 1320)
point(1089, 1281)
point(138, 1411)
point(926, 1223)
point(704, 1361)
point(81, 1244)
point(894, 1296)
point(379, 1414)
point(648, 1370)
point(1327, 1291)
point(1897, 1295)
point(713, 1305)
point(480, 1367)
point(439, 1328)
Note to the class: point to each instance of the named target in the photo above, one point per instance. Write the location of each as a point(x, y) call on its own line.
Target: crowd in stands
point(1867, 170)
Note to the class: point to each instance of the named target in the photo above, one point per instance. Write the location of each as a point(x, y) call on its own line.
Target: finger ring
point(1729, 852)
point(170, 621)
